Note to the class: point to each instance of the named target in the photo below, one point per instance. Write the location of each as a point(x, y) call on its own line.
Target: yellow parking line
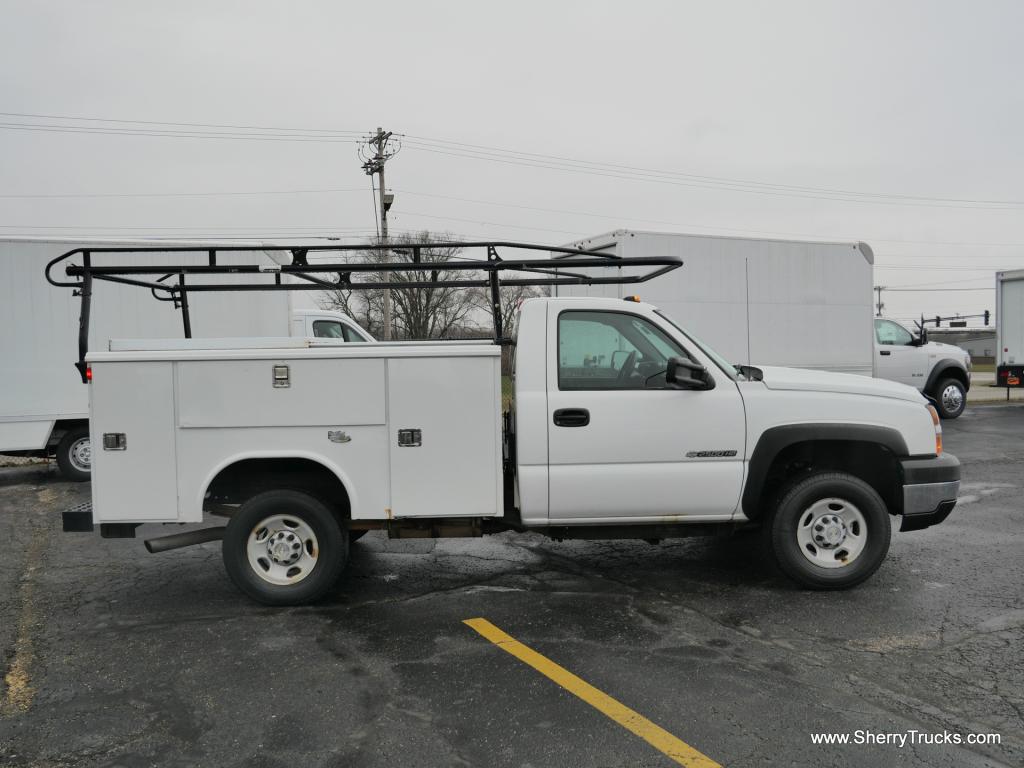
point(632, 721)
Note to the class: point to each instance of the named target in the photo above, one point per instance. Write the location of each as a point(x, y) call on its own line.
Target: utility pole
point(881, 306)
point(374, 164)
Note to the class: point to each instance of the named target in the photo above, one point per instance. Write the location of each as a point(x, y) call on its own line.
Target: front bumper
point(930, 488)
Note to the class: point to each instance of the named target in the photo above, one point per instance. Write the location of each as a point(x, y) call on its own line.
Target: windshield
point(728, 368)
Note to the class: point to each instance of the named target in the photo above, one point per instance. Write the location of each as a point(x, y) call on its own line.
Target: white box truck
point(623, 425)
point(1010, 328)
point(787, 302)
point(44, 407)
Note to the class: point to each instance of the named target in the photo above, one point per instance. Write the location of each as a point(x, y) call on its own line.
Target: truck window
point(351, 334)
point(612, 350)
point(892, 334)
point(328, 329)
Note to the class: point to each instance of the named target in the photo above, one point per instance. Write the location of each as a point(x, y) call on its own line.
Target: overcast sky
point(896, 123)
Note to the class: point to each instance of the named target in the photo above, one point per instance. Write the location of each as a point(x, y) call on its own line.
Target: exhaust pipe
point(187, 539)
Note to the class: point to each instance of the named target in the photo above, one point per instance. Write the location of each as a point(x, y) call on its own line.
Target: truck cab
point(327, 324)
point(942, 372)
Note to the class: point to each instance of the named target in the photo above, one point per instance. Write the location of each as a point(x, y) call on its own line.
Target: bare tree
point(418, 313)
point(512, 298)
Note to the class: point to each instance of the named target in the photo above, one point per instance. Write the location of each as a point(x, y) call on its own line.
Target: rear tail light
point(88, 373)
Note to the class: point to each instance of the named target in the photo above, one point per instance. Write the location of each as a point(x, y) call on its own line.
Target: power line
point(716, 179)
point(574, 233)
point(83, 195)
point(723, 185)
point(529, 159)
point(946, 268)
point(817, 235)
point(178, 134)
point(164, 122)
point(944, 282)
point(934, 290)
point(540, 209)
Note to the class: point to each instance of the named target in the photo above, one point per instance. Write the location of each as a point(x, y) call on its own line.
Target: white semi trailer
point(1010, 328)
point(772, 302)
point(44, 407)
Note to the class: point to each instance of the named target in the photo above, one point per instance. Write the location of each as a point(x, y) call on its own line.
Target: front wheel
point(74, 455)
point(284, 548)
point(829, 531)
point(951, 398)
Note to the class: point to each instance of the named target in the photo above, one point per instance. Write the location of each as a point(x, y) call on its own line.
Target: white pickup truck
point(940, 371)
point(623, 425)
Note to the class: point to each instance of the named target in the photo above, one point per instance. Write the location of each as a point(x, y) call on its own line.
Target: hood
point(806, 380)
point(949, 350)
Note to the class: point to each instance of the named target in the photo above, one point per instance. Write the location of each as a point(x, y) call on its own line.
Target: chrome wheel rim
point(282, 549)
point(832, 533)
point(80, 454)
point(952, 398)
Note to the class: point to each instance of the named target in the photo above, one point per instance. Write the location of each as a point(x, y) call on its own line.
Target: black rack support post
point(186, 319)
point(495, 285)
point(83, 316)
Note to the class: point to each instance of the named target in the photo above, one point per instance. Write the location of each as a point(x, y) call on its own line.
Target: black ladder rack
point(173, 282)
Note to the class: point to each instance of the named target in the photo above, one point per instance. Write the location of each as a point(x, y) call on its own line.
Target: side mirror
point(686, 374)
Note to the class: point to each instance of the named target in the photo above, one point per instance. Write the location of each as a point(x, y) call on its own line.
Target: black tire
point(70, 458)
point(950, 398)
point(303, 513)
point(794, 509)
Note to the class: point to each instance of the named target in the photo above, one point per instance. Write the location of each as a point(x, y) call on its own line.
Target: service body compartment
point(135, 399)
point(189, 413)
point(445, 437)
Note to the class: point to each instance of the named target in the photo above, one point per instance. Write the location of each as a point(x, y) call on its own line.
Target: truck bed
point(192, 409)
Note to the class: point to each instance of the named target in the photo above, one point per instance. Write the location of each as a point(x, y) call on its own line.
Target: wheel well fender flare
point(60, 427)
point(776, 439)
point(235, 458)
point(947, 368)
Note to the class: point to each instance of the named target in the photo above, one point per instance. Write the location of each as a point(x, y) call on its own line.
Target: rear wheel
point(284, 548)
point(829, 531)
point(951, 398)
point(74, 454)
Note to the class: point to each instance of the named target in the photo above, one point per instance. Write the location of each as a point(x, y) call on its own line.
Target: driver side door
point(621, 446)
point(896, 356)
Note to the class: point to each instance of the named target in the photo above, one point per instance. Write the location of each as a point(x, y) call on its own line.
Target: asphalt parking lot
point(114, 657)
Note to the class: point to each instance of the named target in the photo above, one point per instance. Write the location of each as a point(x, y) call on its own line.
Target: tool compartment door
point(137, 483)
point(455, 403)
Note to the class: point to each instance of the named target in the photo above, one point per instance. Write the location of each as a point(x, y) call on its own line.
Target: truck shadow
point(28, 473)
point(381, 569)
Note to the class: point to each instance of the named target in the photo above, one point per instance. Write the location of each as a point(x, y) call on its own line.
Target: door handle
point(885, 352)
point(571, 417)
